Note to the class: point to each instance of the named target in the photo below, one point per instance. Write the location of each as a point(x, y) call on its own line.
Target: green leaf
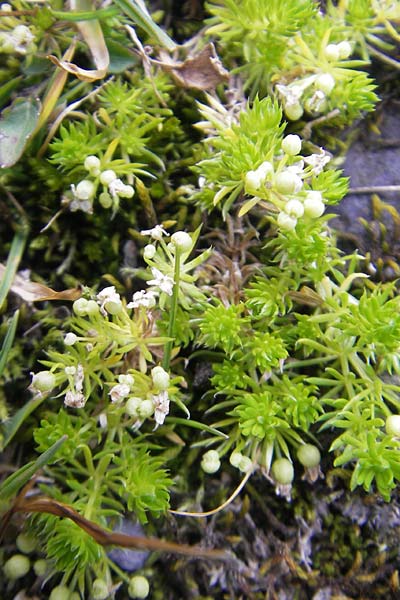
point(8, 341)
point(17, 123)
point(8, 273)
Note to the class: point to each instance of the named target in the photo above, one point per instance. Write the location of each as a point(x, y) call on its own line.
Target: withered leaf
point(30, 291)
point(204, 71)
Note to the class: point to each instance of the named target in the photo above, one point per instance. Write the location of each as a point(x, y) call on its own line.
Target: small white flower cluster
point(283, 185)
point(311, 92)
point(156, 404)
point(76, 377)
point(85, 191)
point(19, 40)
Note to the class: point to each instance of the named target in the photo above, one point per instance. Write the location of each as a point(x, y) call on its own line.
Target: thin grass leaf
point(8, 341)
point(14, 258)
point(136, 11)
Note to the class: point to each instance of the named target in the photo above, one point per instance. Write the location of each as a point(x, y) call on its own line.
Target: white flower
point(182, 240)
point(164, 282)
point(155, 232)
point(142, 298)
point(119, 392)
point(160, 378)
point(103, 421)
point(118, 188)
point(85, 190)
point(74, 399)
point(317, 161)
point(161, 407)
point(291, 95)
point(109, 300)
point(92, 164)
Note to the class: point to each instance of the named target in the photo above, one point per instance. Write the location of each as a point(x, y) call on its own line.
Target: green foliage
point(142, 482)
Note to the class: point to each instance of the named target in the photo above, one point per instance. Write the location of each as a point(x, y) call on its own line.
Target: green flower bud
point(160, 378)
point(309, 456)
point(132, 407)
point(100, 590)
point(17, 566)
point(293, 111)
point(146, 409)
point(291, 145)
point(235, 459)
point(314, 207)
point(282, 471)
point(44, 381)
point(61, 592)
point(26, 543)
point(105, 200)
point(149, 251)
point(80, 307)
point(113, 307)
point(210, 462)
point(40, 567)
point(138, 587)
point(92, 308)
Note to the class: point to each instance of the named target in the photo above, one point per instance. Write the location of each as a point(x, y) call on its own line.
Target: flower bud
point(282, 471)
point(291, 145)
point(107, 177)
point(182, 240)
point(85, 190)
point(309, 455)
point(92, 308)
point(146, 409)
point(345, 49)
point(325, 82)
point(294, 208)
point(113, 307)
point(17, 566)
point(253, 181)
point(287, 182)
point(393, 425)
point(92, 164)
point(61, 592)
point(26, 543)
point(105, 200)
point(264, 170)
point(132, 407)
point(126, 191)
point(100, 590)
point(160, 378)
point(314, 207)
point(286, 222)
point(40, 567)
point(138, 587)
point(235, 459)
point(70, 339)
point(210, 462)
point(80, 307)
point(44, 381)
point(293, 111)
point(149, 251)
point(332, 52)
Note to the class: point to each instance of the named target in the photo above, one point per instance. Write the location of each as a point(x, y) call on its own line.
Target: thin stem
point(174, 308)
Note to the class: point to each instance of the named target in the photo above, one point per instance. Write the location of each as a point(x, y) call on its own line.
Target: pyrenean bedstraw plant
point(300, 55)
point(274, 363)
point(108, 373)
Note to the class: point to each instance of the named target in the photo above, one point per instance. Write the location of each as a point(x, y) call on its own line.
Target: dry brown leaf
point(204, 71)
point(93, 35)
point(31, 291)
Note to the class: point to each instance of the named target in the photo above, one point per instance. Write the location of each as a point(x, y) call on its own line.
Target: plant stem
point(174, 307)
